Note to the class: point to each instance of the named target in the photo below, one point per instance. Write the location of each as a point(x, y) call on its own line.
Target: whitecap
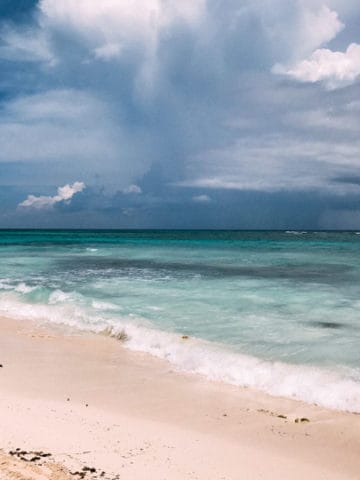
point(98, 305)
point(23, 288)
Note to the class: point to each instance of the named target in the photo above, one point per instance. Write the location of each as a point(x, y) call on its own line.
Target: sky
point(165, 114)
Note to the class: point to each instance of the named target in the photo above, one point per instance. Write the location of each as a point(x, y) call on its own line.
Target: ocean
point(273, 310)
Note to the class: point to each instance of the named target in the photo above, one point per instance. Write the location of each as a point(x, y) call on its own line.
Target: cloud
point(318, 27)
point(69, 128)
point(108, 52)
point(128, 212)
point(27, 45)
point(311, 64)
point(292, 30)
point(334, 69)
point(155, 95)
point(130, 29)
point(327, 119)
point(276, 163)
point(201, 199)
point(141, 34)
point(54, 125)
point(106, 18)
point(64, 194)
point(132, 189)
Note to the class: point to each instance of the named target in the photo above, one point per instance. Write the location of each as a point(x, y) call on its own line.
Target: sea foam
point(333, 389)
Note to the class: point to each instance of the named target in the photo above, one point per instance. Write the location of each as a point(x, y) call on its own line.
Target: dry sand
point(90, 403)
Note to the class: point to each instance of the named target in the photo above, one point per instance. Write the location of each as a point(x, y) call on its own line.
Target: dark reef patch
point(319, 273)
point(331, 325)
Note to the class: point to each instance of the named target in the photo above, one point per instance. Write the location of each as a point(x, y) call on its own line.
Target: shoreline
point(90, 402)
point(315, 385)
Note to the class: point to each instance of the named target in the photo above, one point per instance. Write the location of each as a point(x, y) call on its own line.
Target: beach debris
point(1, 365)
point(185, 337)
point(78, 474)
point(273, 414)
point(42, 459)
point(90, 473)
point(31, 456)
point(122, 336)
point(301, 420)
point(15, 467)
point(89, 469)
point(34, 459)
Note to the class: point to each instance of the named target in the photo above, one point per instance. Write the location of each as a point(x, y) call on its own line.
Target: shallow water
point(275, 310)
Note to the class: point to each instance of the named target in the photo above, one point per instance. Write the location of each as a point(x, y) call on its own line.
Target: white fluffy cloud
point(320, 26)
point(64, 194)
point(334, 69)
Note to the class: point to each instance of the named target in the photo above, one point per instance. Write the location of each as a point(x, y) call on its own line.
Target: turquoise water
point(278, 311)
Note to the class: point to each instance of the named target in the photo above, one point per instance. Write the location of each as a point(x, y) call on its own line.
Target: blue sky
point(191, 114)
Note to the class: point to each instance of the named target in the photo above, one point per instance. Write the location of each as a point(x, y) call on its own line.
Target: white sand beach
point(77, 405)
